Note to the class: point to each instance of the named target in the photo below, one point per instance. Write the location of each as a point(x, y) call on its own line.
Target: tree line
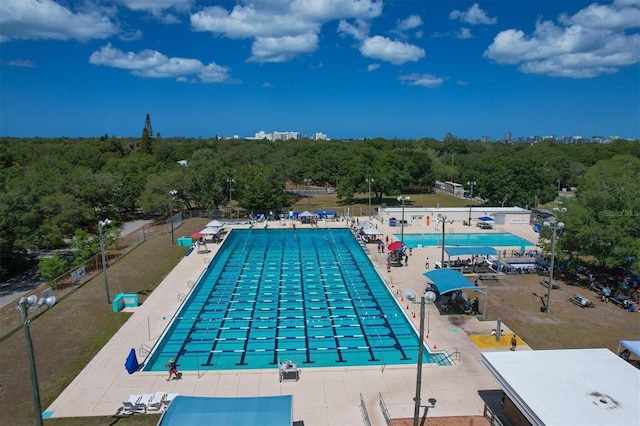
point(54, 191)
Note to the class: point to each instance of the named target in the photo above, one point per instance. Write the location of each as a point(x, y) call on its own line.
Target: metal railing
point(363, 409)
point(385, 412)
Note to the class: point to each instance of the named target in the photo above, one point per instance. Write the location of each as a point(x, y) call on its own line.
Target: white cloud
point(464, 33)
point(396, 52)
point(281, 49)
point(474, 16)
point(21, 63)
point(580, 47)
point(358, 30)
point(153, 64)
point(159, 8)
point(284, 28)
point(373, 67)
point(47, 20)
point(413, 21)
point(424, 80)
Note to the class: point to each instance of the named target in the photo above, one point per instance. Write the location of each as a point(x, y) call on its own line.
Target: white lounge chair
point(167, 400)
point(143, 403)
point(156, 402)
point(128, 406)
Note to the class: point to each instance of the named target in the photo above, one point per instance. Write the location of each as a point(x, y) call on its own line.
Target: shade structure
point(365, 224)
point(215, 224)
point(371, 231)
point(396, 245)
point(210, 231)
point(196, 235)
point(485, 218)
point(227, 411)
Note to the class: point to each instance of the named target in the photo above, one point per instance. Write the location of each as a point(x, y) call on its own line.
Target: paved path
point(323, 396)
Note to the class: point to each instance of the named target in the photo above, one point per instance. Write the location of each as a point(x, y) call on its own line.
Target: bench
point(554, 285)
point(488, 277)
point(624, 304)
point(581, 301)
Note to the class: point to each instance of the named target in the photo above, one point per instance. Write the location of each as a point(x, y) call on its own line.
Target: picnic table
point(583, 302)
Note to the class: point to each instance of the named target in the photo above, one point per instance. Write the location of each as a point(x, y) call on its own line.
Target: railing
point(363, 409)
point(491, 416)
point(385, 412)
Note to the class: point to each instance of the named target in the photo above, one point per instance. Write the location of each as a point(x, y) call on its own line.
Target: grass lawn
point(72, 332)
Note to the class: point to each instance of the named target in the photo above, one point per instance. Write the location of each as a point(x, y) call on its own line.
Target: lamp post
point(101, 226)
point(416, 410)
point(369, 181)
point(403, 199)
point(230, 182)
point(26, 304)
point(472, 183)
point(554, 229)
point(308, 182)
point(171, 195)
point(443, 220)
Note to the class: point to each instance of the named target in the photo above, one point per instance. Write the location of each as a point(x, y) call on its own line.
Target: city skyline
point(348, 69)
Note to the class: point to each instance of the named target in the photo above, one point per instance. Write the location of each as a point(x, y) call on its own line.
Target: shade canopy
point(209, 230)
point(485, 218)
point(447, 280)
point(632, 345)
point(305, 214)
point(218, 411)
point(371, 231)
point(215, 224)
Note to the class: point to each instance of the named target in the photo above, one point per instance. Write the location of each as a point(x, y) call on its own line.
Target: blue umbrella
point(485, 218)
point(131, 364)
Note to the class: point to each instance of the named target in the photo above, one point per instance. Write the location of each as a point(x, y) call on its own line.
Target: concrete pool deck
point(322, 396)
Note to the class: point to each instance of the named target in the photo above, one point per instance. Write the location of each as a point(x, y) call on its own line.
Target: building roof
point(461, 251)
point(568, 387)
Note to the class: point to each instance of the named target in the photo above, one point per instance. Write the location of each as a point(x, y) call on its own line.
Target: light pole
point(172, 194)
point(416, 410)
point(369, 181)
point(443, 220)
point(554, 229)
point(230, 182)
point(472, 183)
point(308, 182)
point(101, 226)
point(403, 199)
point(25, 304)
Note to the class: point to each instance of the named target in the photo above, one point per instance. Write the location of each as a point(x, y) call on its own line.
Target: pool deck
point(322, 396)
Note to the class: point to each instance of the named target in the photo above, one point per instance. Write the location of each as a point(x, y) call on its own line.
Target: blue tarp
point(461, 251)
point(131, 364)
point(447, 280)
point(218, 411)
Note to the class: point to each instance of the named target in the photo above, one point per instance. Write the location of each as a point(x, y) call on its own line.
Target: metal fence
point(76, 277)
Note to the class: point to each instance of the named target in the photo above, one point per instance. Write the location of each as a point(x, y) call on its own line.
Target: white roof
point(215, 224)
point(371, 231)
point(569, 387)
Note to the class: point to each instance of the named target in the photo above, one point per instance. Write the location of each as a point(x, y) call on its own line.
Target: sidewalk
point(323, 396)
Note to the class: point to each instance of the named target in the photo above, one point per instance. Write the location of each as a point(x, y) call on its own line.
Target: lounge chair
point(128, 406)
point(156, 402)
point(167, 401)
point(143, 403)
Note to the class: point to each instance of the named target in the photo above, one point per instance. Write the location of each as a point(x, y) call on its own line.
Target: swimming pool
point(311, 296)
point(504, 239)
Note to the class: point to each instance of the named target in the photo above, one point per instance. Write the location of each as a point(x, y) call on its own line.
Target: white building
point(428, 215)
point(319, 137)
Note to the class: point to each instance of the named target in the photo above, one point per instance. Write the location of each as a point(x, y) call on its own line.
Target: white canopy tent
point(210, 230)
point(215, 224)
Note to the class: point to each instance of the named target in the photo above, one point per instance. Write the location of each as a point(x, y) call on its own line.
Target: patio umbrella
point(197, 235)
point(485, 218)
point(396, 245)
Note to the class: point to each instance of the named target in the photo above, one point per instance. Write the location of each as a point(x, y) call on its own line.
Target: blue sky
point(347, 68)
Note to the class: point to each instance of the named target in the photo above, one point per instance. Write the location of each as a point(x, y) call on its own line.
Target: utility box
point(185, 242)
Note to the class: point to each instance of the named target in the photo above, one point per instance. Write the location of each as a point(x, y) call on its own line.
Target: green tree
point(51, 268)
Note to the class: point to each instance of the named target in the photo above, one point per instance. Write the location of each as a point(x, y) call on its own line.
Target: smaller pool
point(504, 239)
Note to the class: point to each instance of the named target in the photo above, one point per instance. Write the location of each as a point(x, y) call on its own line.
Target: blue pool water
point(504, 239)
point(311, 296)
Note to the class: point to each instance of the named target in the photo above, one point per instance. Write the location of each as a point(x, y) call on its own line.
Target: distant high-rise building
point(486, 138)
point(508, 137)
point(319, 136)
